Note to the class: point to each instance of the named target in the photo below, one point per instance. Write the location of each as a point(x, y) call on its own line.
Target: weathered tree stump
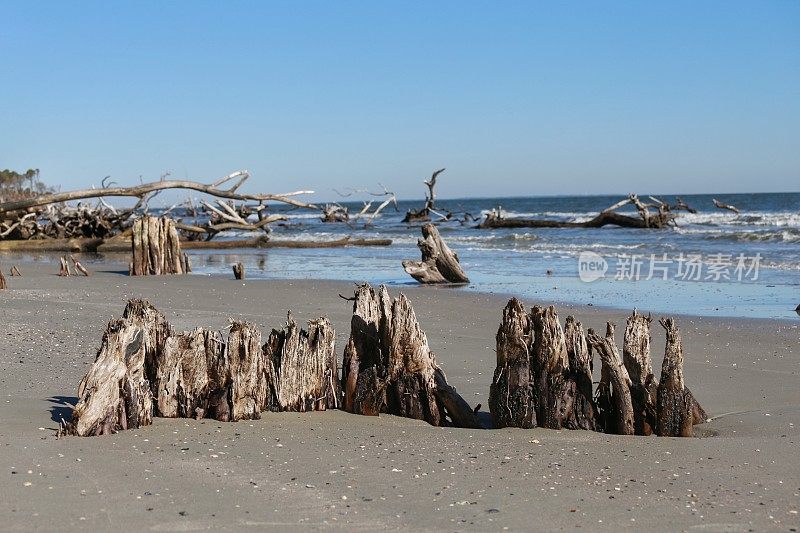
point(302, 368)
point(579, 380)
point(549, 363)
point(238, 271)
point(439, 264)
point(15, 271)
point(3, 283)
point(64, 270)
point(156, 247)
point(389, 368)
point(511, 393)
point(115, 394)
point(674, 403)
point(636, 356)
point(614, 394)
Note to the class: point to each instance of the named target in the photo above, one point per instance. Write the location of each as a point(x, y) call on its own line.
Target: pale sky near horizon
point(514, 98)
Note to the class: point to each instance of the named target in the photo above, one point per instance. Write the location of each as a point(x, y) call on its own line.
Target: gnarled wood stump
point(389, 368)
point(115, 394)
point(579, 380)
point(301, 367)
point(439, 263)
point(614, 395)
point(156, 247)
point(511, 401)
point(2, 281)
point(674, 403)
point(636, 356)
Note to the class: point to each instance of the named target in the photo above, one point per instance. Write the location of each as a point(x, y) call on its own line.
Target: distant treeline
point(15, 185)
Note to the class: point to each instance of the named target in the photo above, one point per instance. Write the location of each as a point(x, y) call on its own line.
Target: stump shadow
point(61, 407)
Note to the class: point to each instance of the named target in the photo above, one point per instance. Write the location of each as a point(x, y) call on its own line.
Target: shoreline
point(394, 473)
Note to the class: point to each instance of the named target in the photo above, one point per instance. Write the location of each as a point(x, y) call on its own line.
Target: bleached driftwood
point(423, 214)
point(439, 263)
point(722, 205)
point(156, 247)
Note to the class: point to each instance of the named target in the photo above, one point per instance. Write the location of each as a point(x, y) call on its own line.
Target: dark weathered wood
point(439, 264)
point(389, 368)
point(511, 392)
point(15, 271)
point(620, 417)
point(238, 271)
point(549, 364)
point(156, 247)
point(302, 368)
point(579, 378)
point(638, 363)
point(674, 405)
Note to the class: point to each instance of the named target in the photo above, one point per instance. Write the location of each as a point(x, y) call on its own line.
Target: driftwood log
point(156, 247)
point(388, 366)
point(145, 369)
point(424, 213)
point(659, 219)
point(722, 205)
point(439, 263)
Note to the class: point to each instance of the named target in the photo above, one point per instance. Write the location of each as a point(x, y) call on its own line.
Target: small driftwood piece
point(78, 266)
point(638, 363)
point(15, 271)
point(389, 368)
point(722, 205)
point(302, 368)
point(3, 284)
point(64, 269)
point(156, 247)
point(423, 214)
point(618, 416)
point(681, 205)
point(439, 263)
point(675, 404)
point(238, 271)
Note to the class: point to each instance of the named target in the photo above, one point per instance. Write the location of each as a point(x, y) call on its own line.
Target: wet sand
point(333, 469)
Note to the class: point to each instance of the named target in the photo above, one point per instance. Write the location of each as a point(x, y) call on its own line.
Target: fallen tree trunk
point(156, 247)
point(439, 264)
point(607, 217)
point(389, 368)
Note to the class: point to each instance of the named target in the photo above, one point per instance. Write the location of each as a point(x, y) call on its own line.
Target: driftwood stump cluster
point(544, 377)
point(388, 366)
point(144, 369)
point(439, 263)
point(157, 248)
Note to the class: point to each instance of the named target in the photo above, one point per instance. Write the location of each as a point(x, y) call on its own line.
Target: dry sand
point(333, 469)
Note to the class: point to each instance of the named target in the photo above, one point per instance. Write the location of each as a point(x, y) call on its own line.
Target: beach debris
point(144, 369)
point(675, 405)
point(424, 213)
point(3, 284)
point(543, 377)
point(238, 271)
point(64, 269)
point(638, 363)
point(661, 218)
point(156, 247)
point(335, 213)
point(78, 266)
point(723, 205)
point(681, 205)
point(388, 366)
point(439, 263)
point(15, 271)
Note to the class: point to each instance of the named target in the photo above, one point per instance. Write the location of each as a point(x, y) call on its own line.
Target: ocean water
point(713, 263)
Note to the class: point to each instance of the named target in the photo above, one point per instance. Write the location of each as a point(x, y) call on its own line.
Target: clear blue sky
point(513, 98)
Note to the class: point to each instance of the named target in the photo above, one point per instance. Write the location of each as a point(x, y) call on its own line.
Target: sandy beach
point(333, 469)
